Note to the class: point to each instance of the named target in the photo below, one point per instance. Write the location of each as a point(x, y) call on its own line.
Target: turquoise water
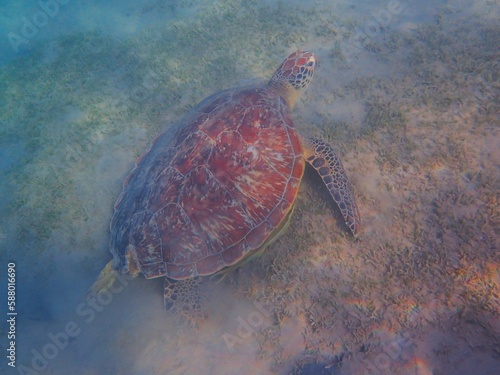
point(408, 96)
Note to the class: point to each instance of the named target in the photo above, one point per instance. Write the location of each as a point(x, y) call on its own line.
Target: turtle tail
point(104, 281)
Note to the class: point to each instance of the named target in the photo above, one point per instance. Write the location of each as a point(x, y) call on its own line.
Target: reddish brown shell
point(212, 188)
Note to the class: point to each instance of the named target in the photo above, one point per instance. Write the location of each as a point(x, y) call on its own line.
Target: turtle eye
point(311, 63)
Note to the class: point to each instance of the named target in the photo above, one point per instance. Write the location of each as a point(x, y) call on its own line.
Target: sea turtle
point(221, 184)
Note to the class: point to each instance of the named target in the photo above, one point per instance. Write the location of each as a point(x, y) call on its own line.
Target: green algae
point(68, 94)
point(418, 234)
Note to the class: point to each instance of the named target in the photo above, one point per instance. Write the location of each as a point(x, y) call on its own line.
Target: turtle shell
point(210, 189)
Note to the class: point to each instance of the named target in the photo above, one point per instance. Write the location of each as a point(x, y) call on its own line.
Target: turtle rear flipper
point(324, 160)
point(183, 297)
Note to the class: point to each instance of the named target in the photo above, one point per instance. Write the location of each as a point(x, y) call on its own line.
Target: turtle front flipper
point(320, 156)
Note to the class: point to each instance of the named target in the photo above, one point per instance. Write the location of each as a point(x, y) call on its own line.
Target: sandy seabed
point(409, 96)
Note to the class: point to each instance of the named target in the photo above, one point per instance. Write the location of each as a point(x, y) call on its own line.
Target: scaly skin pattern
point(212, 189)
point(324, 160)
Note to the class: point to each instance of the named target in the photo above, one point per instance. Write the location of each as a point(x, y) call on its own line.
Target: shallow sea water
point(407, 93)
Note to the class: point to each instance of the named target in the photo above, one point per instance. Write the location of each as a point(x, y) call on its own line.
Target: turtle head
point(293, 76)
